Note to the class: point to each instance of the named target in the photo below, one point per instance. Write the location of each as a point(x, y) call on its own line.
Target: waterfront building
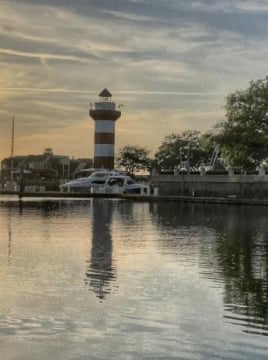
point(46, 166)
point(105, 113)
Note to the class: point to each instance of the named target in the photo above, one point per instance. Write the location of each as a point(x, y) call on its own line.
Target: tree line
point(240, 141)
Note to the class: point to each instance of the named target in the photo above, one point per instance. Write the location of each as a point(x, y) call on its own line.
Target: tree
point(178, 147)
point(243, 137)
point(133, 158)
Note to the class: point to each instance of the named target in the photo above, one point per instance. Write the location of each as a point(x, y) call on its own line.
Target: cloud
point(151, 126)
point(164, 60)
point(42, 56)
point(253, 6)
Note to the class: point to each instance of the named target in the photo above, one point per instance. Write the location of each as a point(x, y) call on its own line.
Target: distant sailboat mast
point(12, 150)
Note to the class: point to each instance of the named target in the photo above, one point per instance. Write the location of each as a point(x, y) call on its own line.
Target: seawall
point(212, 186)
point(217, 189)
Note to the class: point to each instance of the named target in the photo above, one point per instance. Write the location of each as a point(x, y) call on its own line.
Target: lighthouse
point(105, 113)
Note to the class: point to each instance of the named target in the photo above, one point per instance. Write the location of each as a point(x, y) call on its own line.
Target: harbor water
point(109, 279)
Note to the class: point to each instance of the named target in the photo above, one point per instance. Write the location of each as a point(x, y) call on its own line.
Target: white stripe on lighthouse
point(104, 126)
point(104, 150)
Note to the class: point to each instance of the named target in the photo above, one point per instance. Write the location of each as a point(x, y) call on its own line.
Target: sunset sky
point(171, 63)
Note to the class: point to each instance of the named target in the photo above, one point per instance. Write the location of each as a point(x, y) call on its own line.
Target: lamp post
point(185, 158)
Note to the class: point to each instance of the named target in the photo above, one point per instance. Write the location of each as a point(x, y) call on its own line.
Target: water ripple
point(238, 316)
point(12, 325)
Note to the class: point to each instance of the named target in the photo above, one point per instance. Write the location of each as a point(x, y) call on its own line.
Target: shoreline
point(136, 197)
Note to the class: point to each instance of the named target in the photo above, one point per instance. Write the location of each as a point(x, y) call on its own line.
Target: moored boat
point(121, 184)
point(84, 184)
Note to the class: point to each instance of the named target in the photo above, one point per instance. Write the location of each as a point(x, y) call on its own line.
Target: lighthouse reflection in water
point(113, 279)
point(100, 270)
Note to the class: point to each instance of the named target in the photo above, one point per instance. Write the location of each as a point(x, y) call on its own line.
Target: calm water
point(110, 279)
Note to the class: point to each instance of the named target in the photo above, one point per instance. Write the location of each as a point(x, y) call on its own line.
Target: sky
point(171, 63)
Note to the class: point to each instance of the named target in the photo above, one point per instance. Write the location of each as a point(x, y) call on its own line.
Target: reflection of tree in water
point(238, 254)
point(243, 260)
point(100, 271)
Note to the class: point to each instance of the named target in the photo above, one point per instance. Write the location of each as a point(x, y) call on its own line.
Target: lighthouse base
point(106, 162)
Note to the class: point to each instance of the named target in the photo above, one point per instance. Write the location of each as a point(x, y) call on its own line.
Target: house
point(46, 167)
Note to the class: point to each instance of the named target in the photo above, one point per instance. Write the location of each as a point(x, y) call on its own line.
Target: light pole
point(185, 158)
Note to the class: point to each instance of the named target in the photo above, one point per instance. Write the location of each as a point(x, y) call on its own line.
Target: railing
point(102, 105)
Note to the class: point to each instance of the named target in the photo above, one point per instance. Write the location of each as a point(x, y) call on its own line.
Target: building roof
point(105, 93)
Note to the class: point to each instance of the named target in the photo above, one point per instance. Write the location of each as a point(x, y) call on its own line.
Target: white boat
point(85, 183)
point(121, 184)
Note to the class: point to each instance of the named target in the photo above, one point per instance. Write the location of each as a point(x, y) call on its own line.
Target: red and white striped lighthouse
point(105, 113)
